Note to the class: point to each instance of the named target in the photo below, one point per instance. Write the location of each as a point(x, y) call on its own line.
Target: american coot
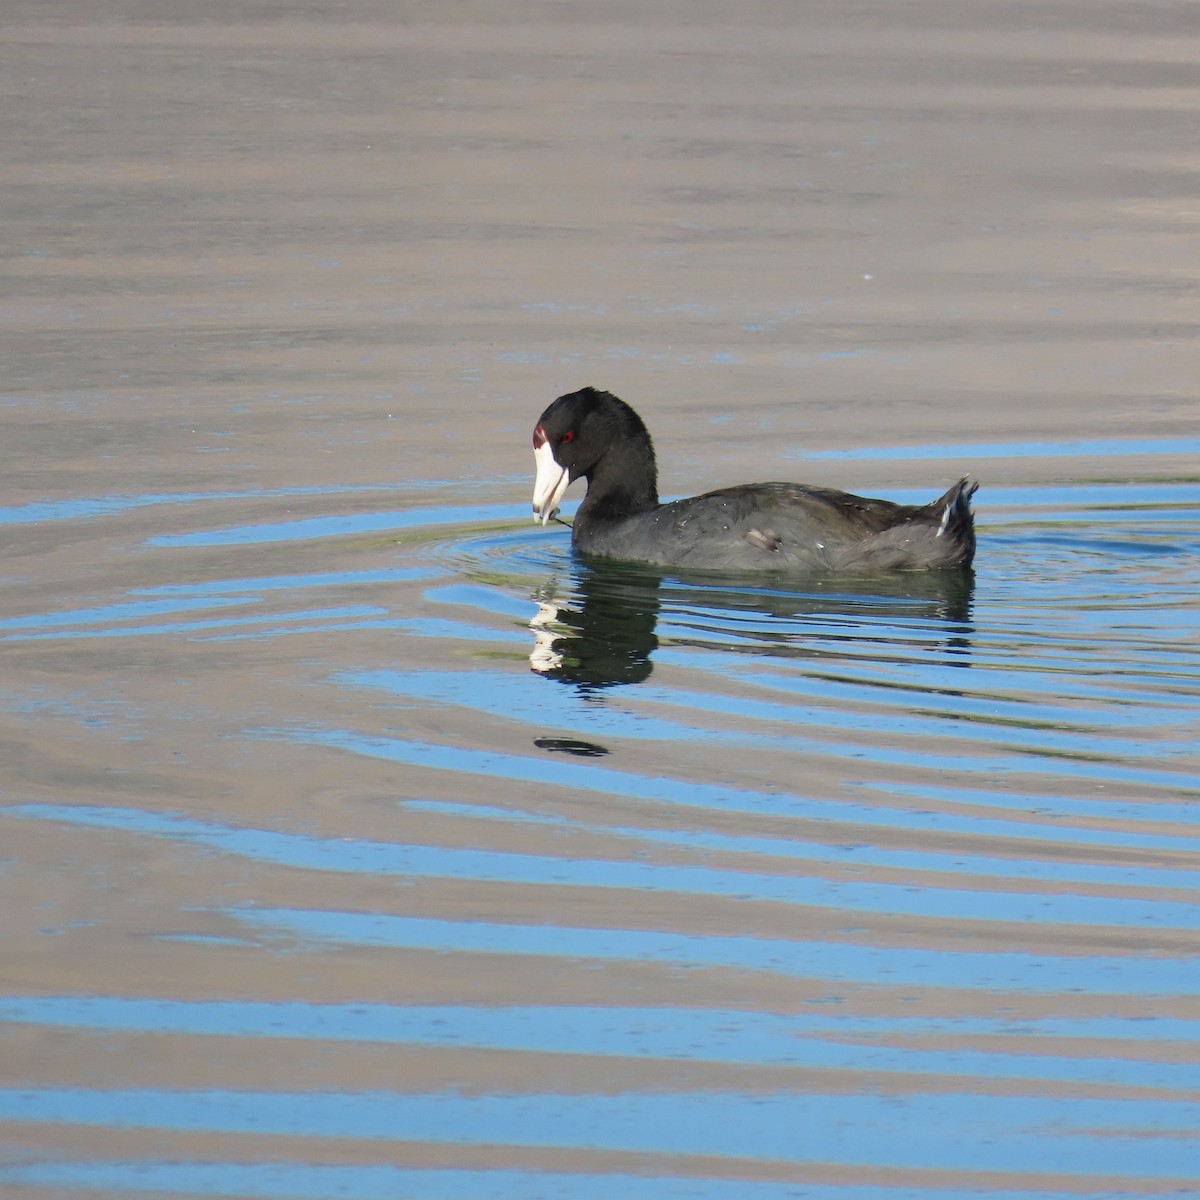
point(784, 527)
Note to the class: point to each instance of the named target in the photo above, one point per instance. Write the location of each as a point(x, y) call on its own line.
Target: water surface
point(358, 840)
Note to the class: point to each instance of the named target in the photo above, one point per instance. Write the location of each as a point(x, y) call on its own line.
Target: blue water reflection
point(319, 1181)
point(864, 965)
point(815, 1042)
point(972, 451)
point(438, 862)
point(989, 1133)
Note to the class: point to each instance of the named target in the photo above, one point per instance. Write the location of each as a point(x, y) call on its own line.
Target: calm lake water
point(359, 841)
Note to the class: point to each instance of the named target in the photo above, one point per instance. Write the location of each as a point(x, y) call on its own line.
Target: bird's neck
point(621, 485)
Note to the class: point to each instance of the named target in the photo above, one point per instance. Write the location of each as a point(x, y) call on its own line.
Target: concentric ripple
point(621, 883)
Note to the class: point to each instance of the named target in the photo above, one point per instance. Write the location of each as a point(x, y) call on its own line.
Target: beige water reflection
point(313, 262)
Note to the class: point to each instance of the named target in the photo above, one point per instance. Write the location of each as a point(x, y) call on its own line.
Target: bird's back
point(792, 528)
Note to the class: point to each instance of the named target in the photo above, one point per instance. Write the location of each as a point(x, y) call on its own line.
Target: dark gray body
point(787, 527)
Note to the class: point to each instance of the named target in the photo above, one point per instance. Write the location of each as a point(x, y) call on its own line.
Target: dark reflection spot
point(570, 746)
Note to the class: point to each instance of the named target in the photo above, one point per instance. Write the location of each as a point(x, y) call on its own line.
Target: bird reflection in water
point(603, 632)
point(602, 629)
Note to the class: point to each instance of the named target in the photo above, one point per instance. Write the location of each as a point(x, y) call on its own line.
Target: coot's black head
point(596, 435)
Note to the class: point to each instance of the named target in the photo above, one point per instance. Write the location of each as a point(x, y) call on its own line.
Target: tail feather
point(957, 522)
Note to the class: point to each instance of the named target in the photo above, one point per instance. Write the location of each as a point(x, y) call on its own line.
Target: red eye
point(566, 437)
